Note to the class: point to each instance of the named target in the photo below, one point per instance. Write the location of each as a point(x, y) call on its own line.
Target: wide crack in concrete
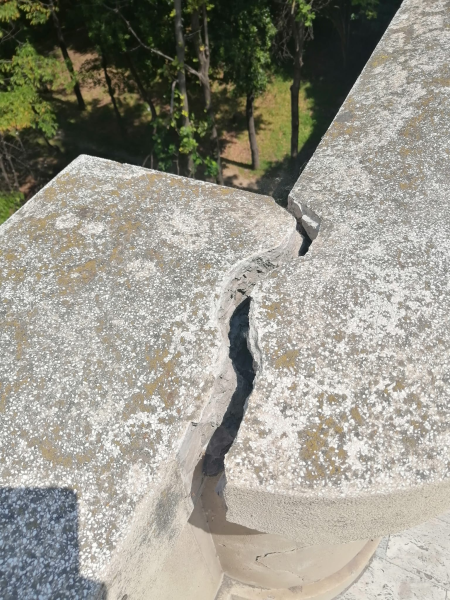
point(245, 369)
point(242, 362)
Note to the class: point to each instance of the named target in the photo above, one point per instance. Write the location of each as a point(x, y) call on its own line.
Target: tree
point(245, 32)
point(146, 24)
point(54, 9)
point(182, 87)
point(143, 89)
point(111, 38)
point(343, 12)
point(112, 92)
point(22, 107)
point(296, 18)
point(38, 12)
point(199, 22)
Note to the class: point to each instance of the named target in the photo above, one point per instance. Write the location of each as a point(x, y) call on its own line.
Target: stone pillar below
point(256, 563)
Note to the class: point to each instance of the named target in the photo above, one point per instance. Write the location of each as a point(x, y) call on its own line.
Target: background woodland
point(234, 91)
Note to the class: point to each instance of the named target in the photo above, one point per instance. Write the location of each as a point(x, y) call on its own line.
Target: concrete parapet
point(347, 433)
point(125, 370)
point(116, 289)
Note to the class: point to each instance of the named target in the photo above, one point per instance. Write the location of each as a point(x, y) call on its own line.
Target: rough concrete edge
point(30, 204)
point(400, 508)
point(313, 520)
point(133, 561)
point(133, 558)
point(235, 288)
point(300, 207)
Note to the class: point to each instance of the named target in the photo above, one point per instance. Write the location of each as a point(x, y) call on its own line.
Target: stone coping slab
point(116, 283)
point(347, 431)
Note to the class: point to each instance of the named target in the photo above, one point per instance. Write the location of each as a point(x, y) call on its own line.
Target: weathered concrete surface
point(116, 285)
point(347, 432)
point(412, 565)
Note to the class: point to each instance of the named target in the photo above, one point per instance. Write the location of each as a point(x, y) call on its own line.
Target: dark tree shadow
point(236, 163)
point(39, 554)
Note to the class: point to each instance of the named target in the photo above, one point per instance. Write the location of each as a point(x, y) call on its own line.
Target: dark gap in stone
point(306, 242)
point(242, 362)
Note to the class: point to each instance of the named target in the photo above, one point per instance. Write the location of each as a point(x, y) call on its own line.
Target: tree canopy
point(183, 58)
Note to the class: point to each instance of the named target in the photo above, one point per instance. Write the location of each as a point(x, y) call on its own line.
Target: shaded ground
point(319, 102)
point(98, 131)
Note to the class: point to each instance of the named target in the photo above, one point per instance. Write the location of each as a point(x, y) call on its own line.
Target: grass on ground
point(97, 130)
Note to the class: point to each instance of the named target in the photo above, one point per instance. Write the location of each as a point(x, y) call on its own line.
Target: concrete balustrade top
point(116, 290)
point(347, 432)
point(117, 286)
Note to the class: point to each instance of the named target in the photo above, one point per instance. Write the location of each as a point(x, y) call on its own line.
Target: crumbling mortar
point(243, 346)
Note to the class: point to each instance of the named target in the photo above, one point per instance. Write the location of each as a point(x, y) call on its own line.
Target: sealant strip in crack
point(243, 365)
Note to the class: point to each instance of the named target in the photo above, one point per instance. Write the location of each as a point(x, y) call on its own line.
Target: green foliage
point(9, 203)
point(245, 36)
point(9, 11)
point(109, 33)
point(137, 38)
point(368, 8)
point(21, 80)
point(171, 140)
point(25, 74)
point(35, 12)
point(164, 148)
point(305, 12)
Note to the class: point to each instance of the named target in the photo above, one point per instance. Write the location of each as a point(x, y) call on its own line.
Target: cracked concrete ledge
point(117, 289)
point(347, 431)
point(117, 286)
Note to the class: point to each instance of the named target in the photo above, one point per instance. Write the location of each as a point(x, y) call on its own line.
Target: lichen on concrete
point(115, 284)
point(347, 431)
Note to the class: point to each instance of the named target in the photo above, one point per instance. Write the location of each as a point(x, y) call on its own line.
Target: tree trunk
point(10, 162)
point(251, 131)
point(182, 87)
point(25, 155)
point(146, 98)
point(203, 55)
point(340, 16)
point(4, 171)
point(295, 91)
point(143, 92)
point(298, 33)
point(111, 94)
point(65, 53)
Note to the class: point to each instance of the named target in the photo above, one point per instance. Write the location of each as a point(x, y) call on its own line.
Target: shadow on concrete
point(39, 553)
